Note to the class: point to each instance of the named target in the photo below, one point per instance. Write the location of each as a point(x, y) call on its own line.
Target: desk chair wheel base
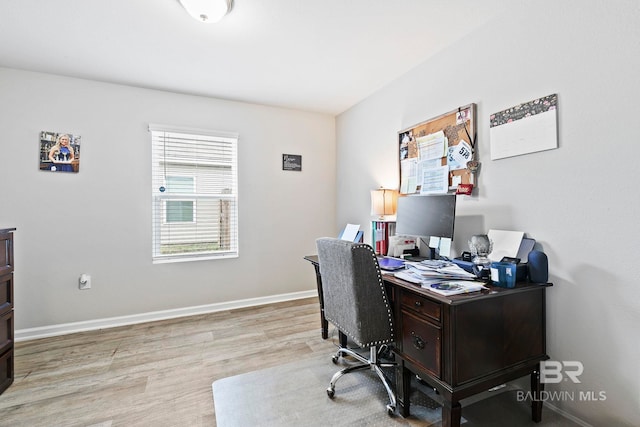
point(372, 364)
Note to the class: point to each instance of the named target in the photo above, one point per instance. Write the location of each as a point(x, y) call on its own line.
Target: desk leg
point(324, 325)
point(403, 388)
point(343, 339)
point(536, 390)
point(451, 414)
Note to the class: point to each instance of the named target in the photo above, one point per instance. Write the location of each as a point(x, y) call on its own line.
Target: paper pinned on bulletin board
point(435, 155)
point(525, 128)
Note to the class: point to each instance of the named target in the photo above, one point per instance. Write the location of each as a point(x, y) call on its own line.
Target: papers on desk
point(350, 232)
point(505, 243)
point(441, 244)
point(455, 287)
point(442, 277)
point(438, 269)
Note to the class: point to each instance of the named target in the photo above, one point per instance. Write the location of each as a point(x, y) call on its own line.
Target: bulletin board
point(438, 155)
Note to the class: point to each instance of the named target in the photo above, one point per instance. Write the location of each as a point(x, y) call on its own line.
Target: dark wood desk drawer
point(6, 292)
point(6, 331)
point(6, 252)
point(420, 305)
point(421, 341)
point(6, 369)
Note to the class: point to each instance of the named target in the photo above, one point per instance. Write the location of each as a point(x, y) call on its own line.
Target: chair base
point(371, 363)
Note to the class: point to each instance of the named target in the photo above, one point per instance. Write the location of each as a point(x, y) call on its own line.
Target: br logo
point(553, 372)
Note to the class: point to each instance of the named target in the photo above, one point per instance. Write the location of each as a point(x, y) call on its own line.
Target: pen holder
point(503, 274)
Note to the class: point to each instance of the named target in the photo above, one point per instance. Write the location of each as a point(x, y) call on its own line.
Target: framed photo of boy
point(59, 152)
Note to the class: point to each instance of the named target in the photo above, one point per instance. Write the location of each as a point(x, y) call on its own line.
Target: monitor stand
point(414, 256)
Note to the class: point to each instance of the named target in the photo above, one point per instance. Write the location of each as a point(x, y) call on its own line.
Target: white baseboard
point(112, 322)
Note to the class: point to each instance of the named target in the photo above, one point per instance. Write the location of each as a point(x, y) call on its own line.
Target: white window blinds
point(194, 194)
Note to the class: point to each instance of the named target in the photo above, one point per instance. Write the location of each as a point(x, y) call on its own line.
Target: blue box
point(503, 274)
point(465, 265)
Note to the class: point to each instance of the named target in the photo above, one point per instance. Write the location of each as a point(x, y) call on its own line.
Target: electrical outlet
point(84, 281)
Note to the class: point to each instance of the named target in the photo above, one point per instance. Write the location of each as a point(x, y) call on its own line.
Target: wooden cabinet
point(466, 344)
point(6, 308)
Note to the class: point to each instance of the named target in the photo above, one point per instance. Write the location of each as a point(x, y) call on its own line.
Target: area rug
point(295, 395)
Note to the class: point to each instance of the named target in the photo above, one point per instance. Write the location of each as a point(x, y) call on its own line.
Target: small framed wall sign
point(291, 162)
point(59, 152)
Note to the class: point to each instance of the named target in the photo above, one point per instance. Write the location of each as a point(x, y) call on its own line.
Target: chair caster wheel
point(334, 359)
point(391, 410)
point(330, 392)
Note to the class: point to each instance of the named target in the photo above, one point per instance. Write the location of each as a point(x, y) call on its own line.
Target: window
point(194, 194)
point(179, 210)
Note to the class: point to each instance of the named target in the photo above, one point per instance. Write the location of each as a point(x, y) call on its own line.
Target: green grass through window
point(189, 248)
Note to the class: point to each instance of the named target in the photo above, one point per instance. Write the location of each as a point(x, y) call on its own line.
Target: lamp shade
point(383, 202)
point(207, 10)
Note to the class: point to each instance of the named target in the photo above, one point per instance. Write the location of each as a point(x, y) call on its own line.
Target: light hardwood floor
point(154, 374)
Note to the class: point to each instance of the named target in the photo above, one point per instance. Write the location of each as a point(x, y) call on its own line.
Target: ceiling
point(316, 55)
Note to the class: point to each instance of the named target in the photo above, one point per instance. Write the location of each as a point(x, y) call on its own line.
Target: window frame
point(229, 142)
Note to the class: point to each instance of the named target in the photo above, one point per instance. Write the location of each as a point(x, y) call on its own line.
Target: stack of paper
point(443, 277)
point(438, 270)
point(454, 287)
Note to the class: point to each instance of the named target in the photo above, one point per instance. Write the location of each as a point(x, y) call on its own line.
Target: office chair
point(355, 301)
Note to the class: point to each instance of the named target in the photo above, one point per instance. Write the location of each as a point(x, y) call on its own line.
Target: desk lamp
point(383, 202)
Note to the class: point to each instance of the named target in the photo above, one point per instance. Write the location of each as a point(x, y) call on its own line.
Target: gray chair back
point(355, 300)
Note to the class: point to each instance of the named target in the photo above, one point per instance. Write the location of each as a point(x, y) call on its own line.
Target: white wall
point(99, 220)
point(578, 201)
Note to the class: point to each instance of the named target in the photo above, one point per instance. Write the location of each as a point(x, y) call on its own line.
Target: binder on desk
point(380, 232)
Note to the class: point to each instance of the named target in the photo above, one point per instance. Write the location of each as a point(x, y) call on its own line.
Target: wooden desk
point(465, 344)
point(324, 325)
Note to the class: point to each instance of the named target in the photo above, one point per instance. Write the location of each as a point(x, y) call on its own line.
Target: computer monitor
point(432, 216)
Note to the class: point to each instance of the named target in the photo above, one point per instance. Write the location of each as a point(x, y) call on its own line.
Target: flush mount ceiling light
point(208, 11)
